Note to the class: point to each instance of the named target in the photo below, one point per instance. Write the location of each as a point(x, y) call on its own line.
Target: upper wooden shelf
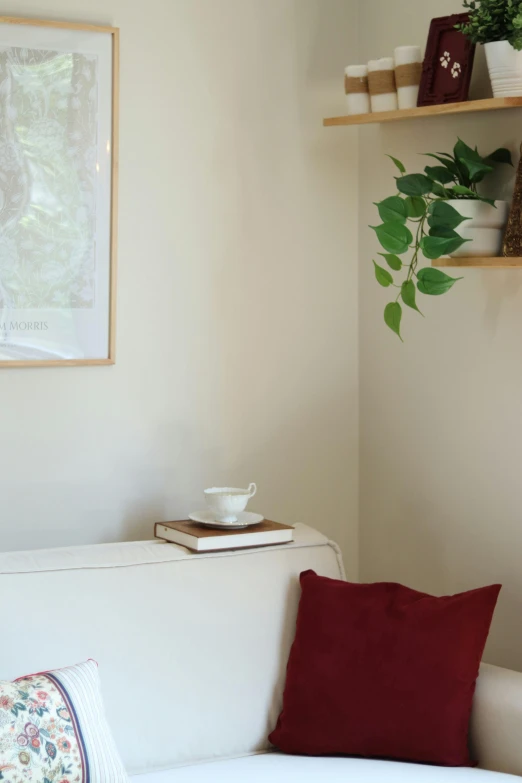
point(489, 104)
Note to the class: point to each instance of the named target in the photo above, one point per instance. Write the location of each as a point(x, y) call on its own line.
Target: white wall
point(441, 422)
point(237, 295)
point(237, 314)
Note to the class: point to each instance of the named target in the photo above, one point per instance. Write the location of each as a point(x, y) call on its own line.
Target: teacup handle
point(252, 489)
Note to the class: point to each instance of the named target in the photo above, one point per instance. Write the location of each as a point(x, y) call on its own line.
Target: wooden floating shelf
point(479, 263)
point(488, 104)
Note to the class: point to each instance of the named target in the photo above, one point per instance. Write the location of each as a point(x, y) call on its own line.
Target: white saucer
point(244, 519)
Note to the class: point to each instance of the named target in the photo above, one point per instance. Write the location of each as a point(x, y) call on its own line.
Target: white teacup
point(227, 502)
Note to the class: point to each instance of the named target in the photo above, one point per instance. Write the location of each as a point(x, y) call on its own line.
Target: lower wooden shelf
point(479, 263)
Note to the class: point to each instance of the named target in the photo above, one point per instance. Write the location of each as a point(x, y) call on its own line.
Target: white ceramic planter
point(505, 69)
point(485, 227)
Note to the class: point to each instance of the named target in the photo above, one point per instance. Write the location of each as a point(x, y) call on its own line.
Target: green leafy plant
point(493, 20)
point(458, 175)
point(419, 219)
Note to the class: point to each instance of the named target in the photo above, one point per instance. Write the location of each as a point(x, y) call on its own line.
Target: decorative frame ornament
point(448, 63)
point(59, 122)
point(512, 242)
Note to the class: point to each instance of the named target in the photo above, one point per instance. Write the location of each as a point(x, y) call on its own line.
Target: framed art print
point(58, 192)
point(448, 63)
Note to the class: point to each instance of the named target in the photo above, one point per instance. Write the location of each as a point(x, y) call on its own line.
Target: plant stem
point(418, 237)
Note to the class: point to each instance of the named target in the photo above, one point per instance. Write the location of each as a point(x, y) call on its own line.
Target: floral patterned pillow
point(53, 729)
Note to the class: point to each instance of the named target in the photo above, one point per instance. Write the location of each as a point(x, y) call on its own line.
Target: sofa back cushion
point(191, 649)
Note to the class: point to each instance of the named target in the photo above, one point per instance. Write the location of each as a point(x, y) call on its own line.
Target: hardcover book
point(203, 539)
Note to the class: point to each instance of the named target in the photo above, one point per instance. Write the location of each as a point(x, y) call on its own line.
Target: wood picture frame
point(58, 212)
point(448, 63)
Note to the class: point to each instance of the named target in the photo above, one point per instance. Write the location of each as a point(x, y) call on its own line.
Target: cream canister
point(408, 70)
point(356, 89)
point(381, 84)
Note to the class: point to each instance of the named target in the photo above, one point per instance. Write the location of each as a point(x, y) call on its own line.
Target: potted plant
point(458, 176)
point(422, 217)
point(498, 25)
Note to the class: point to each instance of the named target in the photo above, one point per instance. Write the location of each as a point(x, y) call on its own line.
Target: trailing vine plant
point(422, 202)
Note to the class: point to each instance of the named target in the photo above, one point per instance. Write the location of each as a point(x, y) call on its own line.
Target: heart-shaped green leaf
point(502, 155)
point(476, 169)
point(434, 282)
point(394, 262)
point(440, 213)
point(448, 233)
point(408, 295)
point(462, 190)
point(446, 161)
point(461, 150)
point(443, 231)
point(394, 237)
point(414, 184)
point(415, 206)
point(437, 246)
point(439, 174)
point(392, 317)
point(382, 276)
point(464, 153)
point(398, 163)
point(392, 208)
point(439, 190)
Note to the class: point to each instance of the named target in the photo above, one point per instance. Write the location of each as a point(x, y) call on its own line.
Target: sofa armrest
point(496, 720)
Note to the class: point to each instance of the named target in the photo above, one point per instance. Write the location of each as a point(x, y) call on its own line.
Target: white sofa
point(192, 652)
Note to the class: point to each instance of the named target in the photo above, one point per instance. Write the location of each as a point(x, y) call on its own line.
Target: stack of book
point(204, 539)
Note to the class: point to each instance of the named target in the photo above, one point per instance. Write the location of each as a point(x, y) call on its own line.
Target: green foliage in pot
point(458, 175)
point(493, 20)
point(419, 219)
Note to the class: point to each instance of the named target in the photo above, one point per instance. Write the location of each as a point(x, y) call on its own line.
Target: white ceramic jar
point(356, 89)
point(505, 69)
point(381, 83)
point(408, 69)
point(485, 228)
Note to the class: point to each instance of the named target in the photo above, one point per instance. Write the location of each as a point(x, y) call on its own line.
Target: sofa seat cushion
point(279, 768)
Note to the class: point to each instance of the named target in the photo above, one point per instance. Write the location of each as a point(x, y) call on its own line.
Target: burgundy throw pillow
point(384, 671)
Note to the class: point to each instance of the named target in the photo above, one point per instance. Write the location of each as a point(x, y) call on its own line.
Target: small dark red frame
point(438, 82)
